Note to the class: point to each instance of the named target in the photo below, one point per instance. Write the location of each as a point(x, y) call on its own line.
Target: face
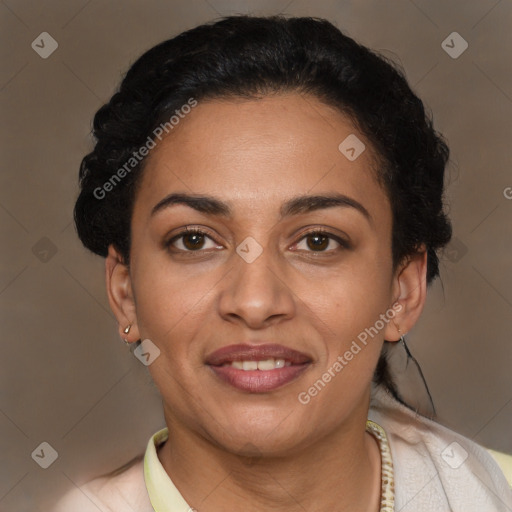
point(251, 291)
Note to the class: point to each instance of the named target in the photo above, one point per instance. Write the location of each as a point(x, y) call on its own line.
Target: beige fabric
point(436, 469)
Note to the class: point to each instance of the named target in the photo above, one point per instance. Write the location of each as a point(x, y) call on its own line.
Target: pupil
point(316, 242)
point(193, 241)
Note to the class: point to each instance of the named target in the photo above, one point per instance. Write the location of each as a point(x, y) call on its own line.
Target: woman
point(268, 195)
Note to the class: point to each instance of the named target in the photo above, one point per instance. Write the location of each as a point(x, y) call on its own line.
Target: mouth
point(258, 368)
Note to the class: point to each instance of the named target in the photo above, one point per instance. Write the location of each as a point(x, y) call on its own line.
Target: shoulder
point(122, 491)
point(436, 468)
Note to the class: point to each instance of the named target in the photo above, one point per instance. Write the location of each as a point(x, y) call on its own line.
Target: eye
point(320, 241)
point(192, 240)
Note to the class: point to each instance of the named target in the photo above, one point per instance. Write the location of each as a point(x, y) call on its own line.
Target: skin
point(230, 449)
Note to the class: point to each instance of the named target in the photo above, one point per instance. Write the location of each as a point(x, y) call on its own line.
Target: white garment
point(435, 470)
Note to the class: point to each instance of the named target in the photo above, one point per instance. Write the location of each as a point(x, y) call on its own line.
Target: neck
point(338, 472)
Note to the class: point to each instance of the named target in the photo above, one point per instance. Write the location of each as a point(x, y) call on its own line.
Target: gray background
point(66, 377)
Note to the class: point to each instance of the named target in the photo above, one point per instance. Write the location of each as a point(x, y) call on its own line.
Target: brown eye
point(193, 241)
point(321, 242)
point(317, 242)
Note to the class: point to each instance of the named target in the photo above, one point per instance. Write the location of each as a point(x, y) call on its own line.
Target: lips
point(257, 368)
point(255, 353)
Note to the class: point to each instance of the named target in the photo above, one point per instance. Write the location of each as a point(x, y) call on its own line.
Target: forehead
point(256, 153)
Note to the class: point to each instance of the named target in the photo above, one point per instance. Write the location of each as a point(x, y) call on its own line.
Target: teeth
point(268, 364)
point(249, 365)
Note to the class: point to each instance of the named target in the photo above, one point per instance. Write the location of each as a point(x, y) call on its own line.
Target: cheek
point(170, 300)
point(350, 299)
point(347, 312)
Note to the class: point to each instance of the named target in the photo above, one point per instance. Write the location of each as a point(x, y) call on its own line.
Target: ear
point(120, 294)
point(410, 292)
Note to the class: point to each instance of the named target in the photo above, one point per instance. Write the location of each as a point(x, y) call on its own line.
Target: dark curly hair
point(249, 57)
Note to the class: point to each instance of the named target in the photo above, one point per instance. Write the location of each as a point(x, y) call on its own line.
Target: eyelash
point(343, 244)
point(188, 231)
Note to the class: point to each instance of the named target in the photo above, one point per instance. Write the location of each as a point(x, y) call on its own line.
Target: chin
point(260, 432)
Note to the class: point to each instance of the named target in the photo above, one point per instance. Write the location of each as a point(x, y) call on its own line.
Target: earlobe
point(410, 290)
point(120, 294)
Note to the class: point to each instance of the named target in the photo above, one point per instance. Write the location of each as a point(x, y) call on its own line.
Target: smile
point(267, 364)
point(257, 368)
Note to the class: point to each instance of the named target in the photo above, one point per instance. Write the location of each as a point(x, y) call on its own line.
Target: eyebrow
point(295, 206)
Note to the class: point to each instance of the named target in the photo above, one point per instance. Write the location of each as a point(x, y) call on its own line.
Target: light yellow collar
point(165, 497)
point(162, 492)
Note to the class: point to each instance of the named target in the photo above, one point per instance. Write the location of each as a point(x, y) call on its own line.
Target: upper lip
point(243, 352)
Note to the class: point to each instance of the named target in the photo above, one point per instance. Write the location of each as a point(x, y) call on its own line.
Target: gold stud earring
point(126, 330)
point(399, 332)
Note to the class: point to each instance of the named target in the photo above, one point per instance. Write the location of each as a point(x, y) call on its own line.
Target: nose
point(255, 294)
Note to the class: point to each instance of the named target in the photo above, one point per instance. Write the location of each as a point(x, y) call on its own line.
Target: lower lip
point(259, 381)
